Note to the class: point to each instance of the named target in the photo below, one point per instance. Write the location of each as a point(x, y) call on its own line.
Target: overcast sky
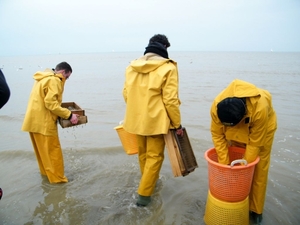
point(34, 27)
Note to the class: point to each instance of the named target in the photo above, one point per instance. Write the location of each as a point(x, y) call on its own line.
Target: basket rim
point(237, 167)
point(226, 203)
point(118, 127)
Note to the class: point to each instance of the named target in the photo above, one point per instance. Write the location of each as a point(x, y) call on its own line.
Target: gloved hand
point(74, 118)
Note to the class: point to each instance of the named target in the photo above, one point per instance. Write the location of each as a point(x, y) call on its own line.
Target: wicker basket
point(218, 212)
point(229, 183)
point(128, 140)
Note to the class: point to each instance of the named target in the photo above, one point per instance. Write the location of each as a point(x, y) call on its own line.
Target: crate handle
point(243, 161)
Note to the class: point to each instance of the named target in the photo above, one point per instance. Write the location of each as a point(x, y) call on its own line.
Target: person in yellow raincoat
point(152, 108)
point(43, 110)
point(242, 115)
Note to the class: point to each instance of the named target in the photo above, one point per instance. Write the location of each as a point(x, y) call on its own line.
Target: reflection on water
point(53, 207)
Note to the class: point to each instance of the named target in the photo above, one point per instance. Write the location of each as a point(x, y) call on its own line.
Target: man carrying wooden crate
point(152, 108)
point(44, 107)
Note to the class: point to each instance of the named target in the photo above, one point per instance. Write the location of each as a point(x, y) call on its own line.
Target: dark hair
point(231, 110)
point(161, 39)
point(64, 66)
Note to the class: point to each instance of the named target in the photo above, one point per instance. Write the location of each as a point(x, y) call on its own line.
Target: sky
point(39, 27)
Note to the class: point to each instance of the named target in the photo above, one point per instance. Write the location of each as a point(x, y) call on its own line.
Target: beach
point(103, 180)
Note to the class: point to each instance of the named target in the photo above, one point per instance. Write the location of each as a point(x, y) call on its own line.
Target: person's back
point(150, 83)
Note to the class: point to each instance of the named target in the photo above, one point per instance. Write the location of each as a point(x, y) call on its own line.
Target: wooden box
point(75, 109)
point(180, 152)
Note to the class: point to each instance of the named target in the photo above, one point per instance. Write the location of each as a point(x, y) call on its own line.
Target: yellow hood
point(240, 89)
point(47, 73)
point(147, 66)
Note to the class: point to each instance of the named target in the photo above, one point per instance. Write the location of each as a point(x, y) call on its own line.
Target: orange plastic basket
point(128, 140)
point(229, 183)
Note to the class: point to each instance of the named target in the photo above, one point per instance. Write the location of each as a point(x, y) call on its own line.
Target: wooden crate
point(174, 155)
point(67, 123)
point(75, 109)
point(180, 152)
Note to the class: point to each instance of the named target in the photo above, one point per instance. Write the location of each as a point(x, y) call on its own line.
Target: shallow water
point(103, 179)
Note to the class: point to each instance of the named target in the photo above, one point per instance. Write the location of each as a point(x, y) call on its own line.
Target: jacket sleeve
point(170, 97)
point(125, 87)
point(4, 90)
point(257, 133)
point(218, 137)
point(53, 90)
point(125, 93)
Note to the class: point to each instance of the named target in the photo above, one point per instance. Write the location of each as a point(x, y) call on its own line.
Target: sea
point(103, 179)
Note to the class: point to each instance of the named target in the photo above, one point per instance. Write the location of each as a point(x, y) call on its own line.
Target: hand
point(179, 132)
point(74, 118)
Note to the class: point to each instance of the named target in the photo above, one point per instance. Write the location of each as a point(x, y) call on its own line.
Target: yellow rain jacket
point(151, 95)
point(259, 121)
point(44, 106)
point(255, 132)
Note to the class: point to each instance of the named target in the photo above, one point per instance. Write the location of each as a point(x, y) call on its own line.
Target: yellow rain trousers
point(49, 156)
point(255, 132)
point(151, 157)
